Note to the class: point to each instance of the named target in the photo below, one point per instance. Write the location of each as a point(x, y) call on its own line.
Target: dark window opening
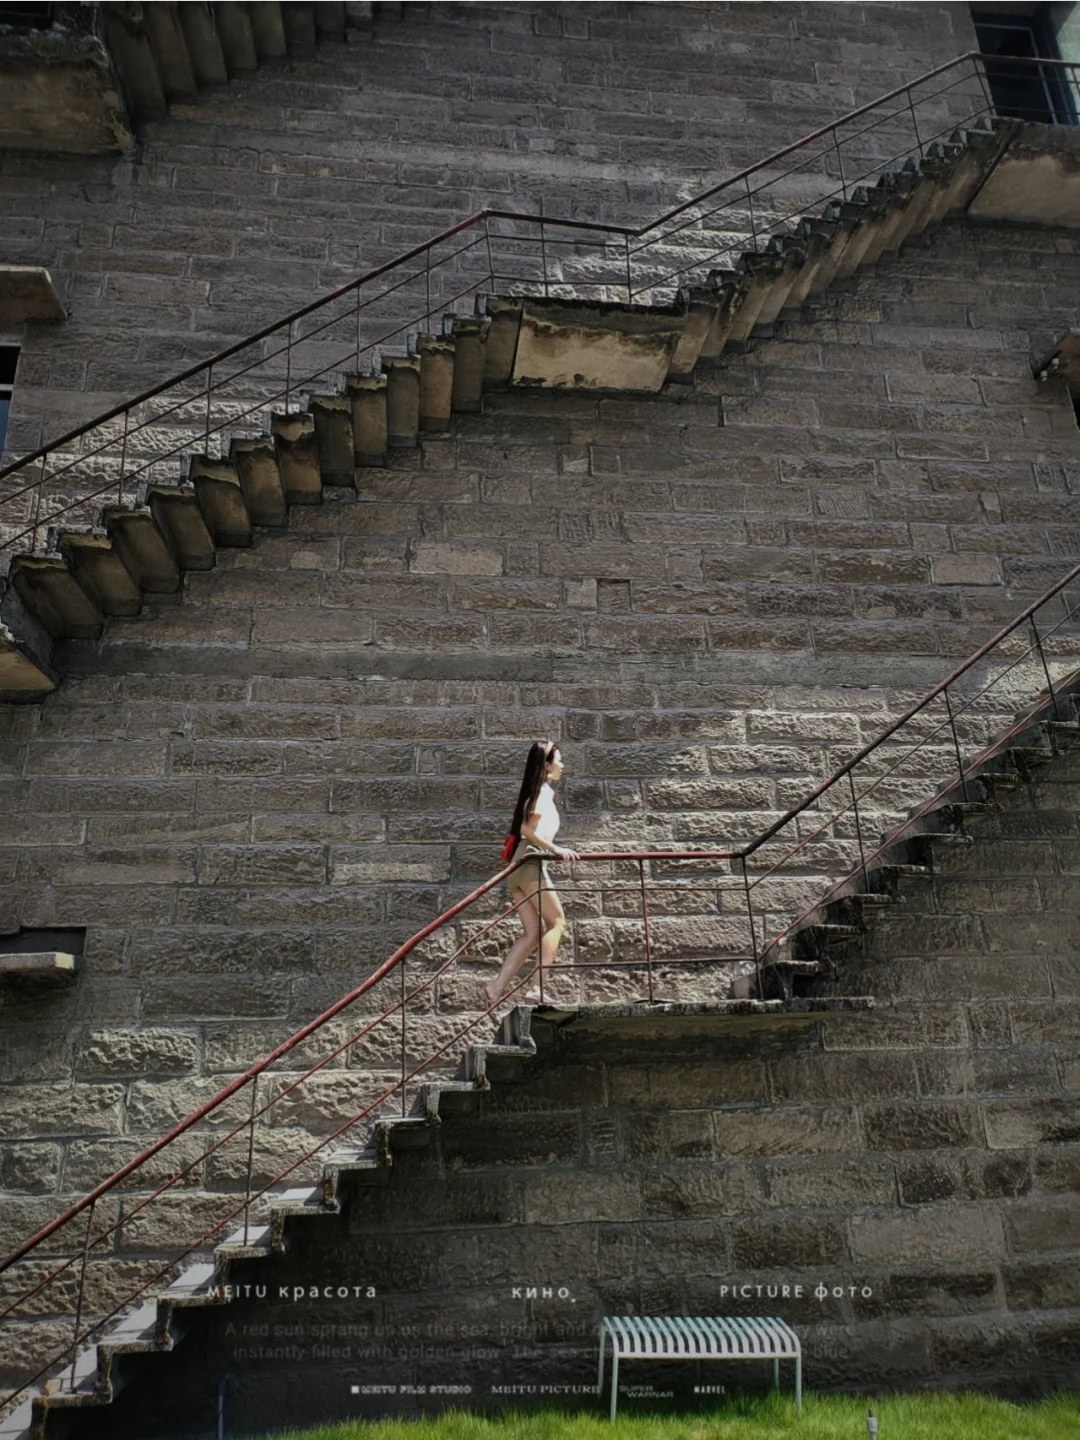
point(1019, 89)
point(9, 359)
point(23, 13)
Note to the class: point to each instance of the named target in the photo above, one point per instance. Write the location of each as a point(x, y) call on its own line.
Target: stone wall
point(248, 203)
point(250, 794)
point(919, 1164)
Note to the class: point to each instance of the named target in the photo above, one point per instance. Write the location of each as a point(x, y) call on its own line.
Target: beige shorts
point(527, 877)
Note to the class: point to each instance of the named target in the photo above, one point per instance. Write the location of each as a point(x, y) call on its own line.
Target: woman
point(534, 826)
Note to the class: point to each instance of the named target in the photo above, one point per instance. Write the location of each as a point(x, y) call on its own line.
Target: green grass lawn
point(824, 1417)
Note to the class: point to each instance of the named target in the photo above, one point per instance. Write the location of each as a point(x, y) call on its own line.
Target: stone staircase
point(157, 1325)
point(166, 53)
point(82, 574)
point(835, 944)
point(803, 963)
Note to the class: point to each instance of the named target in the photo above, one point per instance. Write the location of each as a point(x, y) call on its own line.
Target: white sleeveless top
point(547, 826)
point(547, 823)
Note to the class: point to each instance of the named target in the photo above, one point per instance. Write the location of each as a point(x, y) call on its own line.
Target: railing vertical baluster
point(358, 327)
point(123, 459)
point(1046, 668)
point(956, 743)
point(753, 929)
point(487, 242)
point(38, 496)
point(840, 164)
point(543, 257)
point(403, 1036)
point(648, 938)
point(858, 831)
point(915, 124)
point(629, 283)
point(209, 387)
point(251, 1153)
point(753, 222)
point(82, 1291)
point(540, 928)
point(288, 365)
point(427, 289)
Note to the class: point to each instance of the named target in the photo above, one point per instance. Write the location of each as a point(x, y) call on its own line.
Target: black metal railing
point(232, 392)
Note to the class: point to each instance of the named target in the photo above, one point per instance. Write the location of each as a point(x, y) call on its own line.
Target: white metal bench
point(684, 1337)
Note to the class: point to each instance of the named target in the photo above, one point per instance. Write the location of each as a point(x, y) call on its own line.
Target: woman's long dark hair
point(540, 753)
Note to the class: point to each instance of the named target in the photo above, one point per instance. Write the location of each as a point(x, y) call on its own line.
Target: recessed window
point(9, 358)
point(1019, 89)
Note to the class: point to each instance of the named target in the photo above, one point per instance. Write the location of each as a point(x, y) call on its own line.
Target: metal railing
point(114, 456)
point(641, 889)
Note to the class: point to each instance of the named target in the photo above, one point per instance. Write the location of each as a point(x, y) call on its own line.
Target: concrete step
point(203, 43)
point(221, 499)
point(256, 465)
point(144, 549)
point(128, 36)
point(470, 336)
point(332, 415)
point(51, 593)
point(237, 37)
point(436, 382)
point(169, 44)
point(297, 449)
point(367, 394)
point(178, 515)
point(99, 569)
point(268, 33)
point(21, 680)
point(503, 314)
point(402, 400)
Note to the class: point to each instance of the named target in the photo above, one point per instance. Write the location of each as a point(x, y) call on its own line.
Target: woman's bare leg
point(554, 920)
point(522, 947)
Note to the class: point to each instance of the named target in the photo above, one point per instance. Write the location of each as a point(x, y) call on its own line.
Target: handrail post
point(915, 123)
point(753, 930)
point(1046, 668)
point(358, 328)
point(750, 203)
point(403, 1034)
point(123, 459)
point(82, 1290)
point(629, 288)
point(543, 258)
point(251, 1152)
point(956, 743)
point(840, 165)
point(487, 243)
point(209, 387)
point(540, 926)
point(288, 365)
point(648, 940)
point(37, 505)
point(427, 289)
point(858, 831)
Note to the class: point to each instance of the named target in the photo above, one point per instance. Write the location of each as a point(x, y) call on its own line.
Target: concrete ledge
point(1036, 181)
point(684, 1017)
point(581, 345)
point(53, 965)
point(27, 293)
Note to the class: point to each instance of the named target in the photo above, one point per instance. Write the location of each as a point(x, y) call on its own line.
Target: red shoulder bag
point(508, 848)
